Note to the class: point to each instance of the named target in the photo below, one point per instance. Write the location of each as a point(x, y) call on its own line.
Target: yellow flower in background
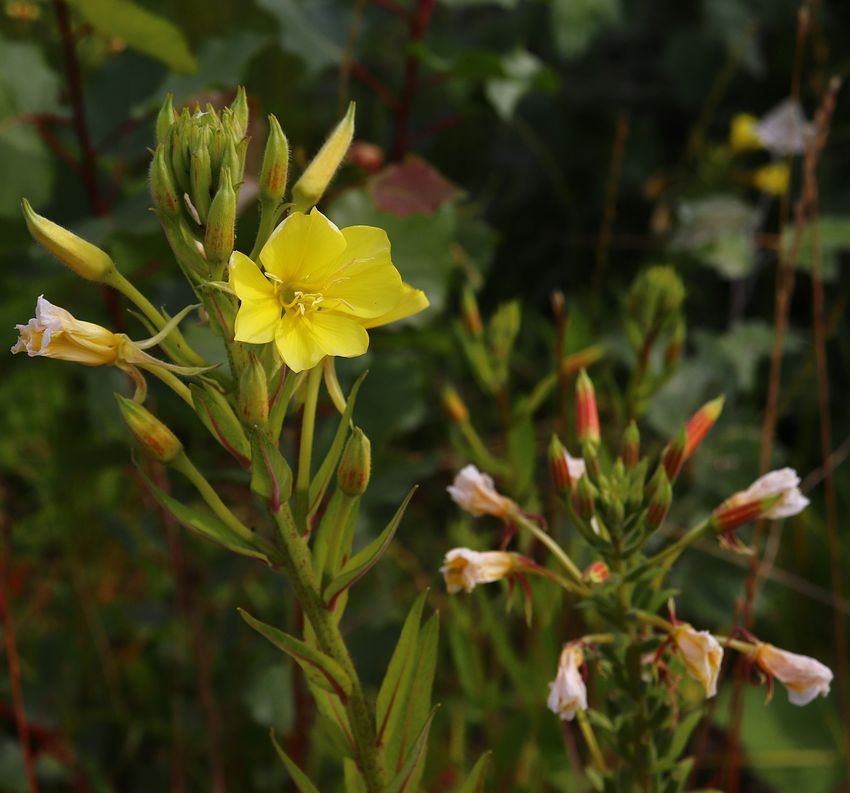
point(773, 179)
point(321, 289)
point(743, 135)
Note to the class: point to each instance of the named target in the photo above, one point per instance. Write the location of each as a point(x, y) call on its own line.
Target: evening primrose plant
point(305, 293)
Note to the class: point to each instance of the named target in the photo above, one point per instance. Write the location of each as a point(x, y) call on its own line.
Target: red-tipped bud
point(584, 496)
point(773, 496)
point(558, 466)
point(471, 314)
point(454, 405)
point(700, 423)
point(596, 573)
point(673, 456)
point(630, 453)
point(154, 437)
point(587, 416)
point(659, 504)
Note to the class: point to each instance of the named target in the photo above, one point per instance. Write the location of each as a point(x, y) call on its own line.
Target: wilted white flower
point(567, 692)
point(804, 677)
point(463, 569)
point(784, 130)
point(476, 493)
point(773, 496)
point(701, 653)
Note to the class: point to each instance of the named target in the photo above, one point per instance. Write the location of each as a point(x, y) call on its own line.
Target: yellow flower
point(742, 133)
point(321, 289)
point(773, 179)
point(701, 653)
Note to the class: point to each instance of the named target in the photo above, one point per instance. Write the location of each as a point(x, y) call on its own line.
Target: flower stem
point(173, 382)
point(299, 566)
point(568, 564)
point(669, 554)
point(305, 451)
point(269, 215)
point(590, 739)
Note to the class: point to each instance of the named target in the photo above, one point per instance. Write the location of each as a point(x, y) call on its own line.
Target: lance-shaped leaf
point(418, 705)
point(354, 782)
point(320, 670)
point(271, 476)
point(206, 524)
point(474, 783)
point(281, 389)
point(395, 688)
point(414, 763)
point(332, 538)
point(363, 562)
point(326, 470)
point(218, 417)
point(301, 780)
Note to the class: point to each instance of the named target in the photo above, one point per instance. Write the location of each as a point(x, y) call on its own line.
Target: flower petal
point(338, 334)
point(303, 340)
point(411, 302)
point(247, 280)
point(257, 320)
point(302, 246)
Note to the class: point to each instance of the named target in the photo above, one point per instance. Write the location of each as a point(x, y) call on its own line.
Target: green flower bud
point(254, 394)
point(164, 193)
point(355, 467)
point(318, 174)
point(155, 438)
point(630, 453)
point(221, 222)
point(180, 160)
point(275, 164)
point(584, 497)
point(454, 406)
point(239, 106)
point(164, 120)
point(659, 504)
point(201, 177)
point(86, 260)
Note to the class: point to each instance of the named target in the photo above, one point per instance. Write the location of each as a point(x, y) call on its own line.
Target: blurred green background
point(521, 146)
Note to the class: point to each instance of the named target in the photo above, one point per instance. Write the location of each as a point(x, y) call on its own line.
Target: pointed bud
point(180, 150)
point(700, 423)
point(454, 405)
point(318, 174)
point(200, 174)
point(164, 193)
point(587, 416)
point(659, 504)
point(673, 456)
point(164, 120)
point(558, 305)
point(630, 453)
point(155, 438)
point(221, 222)
point(355, 467)
point(239, 106)
point(275, 164)
point(471, 314)
point(596, 573)
point(86, 260)
point(558, 466)
point(253, 394)
point(584, 497)
point(230, 160)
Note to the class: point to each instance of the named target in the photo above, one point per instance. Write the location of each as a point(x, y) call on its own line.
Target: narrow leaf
point(363, 562)
point(354, 782)
point(474, 783)
point(301, 780)
point(203, 523)
point(271, 477)
point(326, 470)
point(320, 670)
point(408, 777)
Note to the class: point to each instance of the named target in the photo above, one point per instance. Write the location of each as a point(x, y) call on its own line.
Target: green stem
point(590, 740)
point(269, 215)
point(299, 566)
point(669, 554)
point(568, 564)
point(480, 451)
point(173, 382)
point(305, 450)
point(175, 344)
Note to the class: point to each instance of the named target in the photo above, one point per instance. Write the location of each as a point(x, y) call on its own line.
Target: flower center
point(296, 301)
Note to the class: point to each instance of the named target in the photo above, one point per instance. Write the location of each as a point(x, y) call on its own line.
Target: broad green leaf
point(27, 170)
point(27, 83)
point(363, 562)
point(474, 783)
point(303, 31)
point(140, 29)
point(301, 780)
point(318, 667)
point(271, 477)
point(326, 470)
point(418, 704)
point(203, 523)
point(408, 778)
point(392, 696)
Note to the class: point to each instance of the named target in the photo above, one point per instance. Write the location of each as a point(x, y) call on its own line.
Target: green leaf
point(141, 30)
point(302, 32)
point(320, 670)
point(271, 477)
point(363, 562)
point(301, 780)
point(474, 783)
point(392, 696)
point(575, 23)
point(218, 417)
point(27, 83)
point(203, 523)
point(27, 170)
point(326, 470)
point(682, 734)
point(354, 782)
point(408, 777)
